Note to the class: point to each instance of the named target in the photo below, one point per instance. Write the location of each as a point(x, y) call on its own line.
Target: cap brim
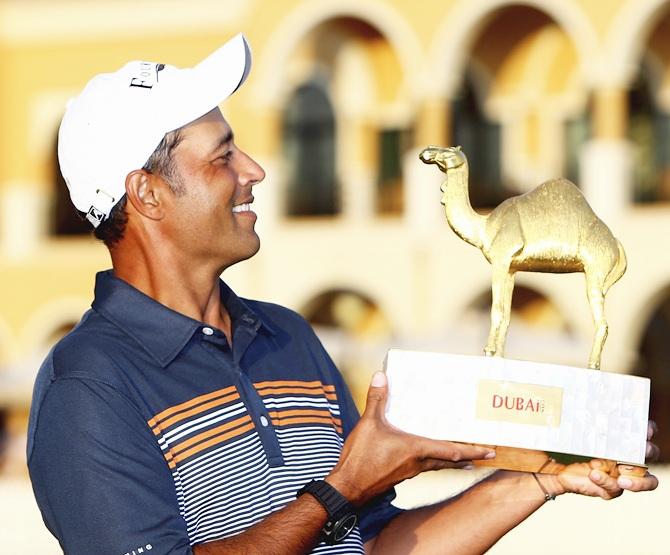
point(227, 67)
point(212, 81)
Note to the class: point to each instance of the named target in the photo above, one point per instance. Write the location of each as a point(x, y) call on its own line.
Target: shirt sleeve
point(99, 476)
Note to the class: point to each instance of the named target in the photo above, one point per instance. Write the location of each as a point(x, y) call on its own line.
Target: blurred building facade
point(342, 97)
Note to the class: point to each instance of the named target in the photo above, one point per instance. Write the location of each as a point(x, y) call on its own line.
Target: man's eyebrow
point(223, 141)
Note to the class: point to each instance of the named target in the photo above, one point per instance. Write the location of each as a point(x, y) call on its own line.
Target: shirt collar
point(159, 330)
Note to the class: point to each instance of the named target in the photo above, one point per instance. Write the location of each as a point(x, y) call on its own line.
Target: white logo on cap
point(147, 75)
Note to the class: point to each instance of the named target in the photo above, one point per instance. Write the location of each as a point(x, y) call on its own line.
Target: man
point(178, 418)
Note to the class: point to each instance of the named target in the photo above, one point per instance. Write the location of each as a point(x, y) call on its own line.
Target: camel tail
point(617, 271)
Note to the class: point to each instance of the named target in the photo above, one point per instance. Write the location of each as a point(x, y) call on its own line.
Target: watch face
point(343, 527)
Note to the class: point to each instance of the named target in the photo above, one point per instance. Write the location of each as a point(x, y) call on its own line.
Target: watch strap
point(342, 517)
point(332, 500)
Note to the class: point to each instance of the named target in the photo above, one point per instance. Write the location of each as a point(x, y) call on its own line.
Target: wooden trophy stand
point(544, 462)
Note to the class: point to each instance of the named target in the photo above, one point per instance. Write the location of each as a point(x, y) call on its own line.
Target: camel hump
point(554, 194)
point(561, 186)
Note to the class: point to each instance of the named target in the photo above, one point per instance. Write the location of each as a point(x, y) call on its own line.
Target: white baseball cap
point(119, 119)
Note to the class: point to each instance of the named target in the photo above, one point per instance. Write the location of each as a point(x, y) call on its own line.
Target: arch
point(270, 89)
point(626, 40)
point(530, 80)
point(643, 313)
point(40, 327)
point(534, 305)
point(354, 329)
point(463, 24)
point(540, 328)
point(349, 309)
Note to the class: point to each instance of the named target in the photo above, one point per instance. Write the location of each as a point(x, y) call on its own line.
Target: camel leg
point(594, 291)
point(502, 286)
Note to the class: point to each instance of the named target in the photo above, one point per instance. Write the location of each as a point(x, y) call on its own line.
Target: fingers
point(652, 428)
point(607, 487)
point(653, 452)
point(376, 402)
point(600, 484)
point(454, 452)
point(648, 482)
point(439, 464)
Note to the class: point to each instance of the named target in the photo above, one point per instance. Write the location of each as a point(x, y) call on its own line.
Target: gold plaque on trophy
point(539, 417)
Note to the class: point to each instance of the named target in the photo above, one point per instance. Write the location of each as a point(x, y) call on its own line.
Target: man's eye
point(225, 158)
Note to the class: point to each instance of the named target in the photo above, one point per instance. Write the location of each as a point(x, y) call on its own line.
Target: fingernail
point(490, 455)
point(624, 482)
point(596, 475)
point(378, 380)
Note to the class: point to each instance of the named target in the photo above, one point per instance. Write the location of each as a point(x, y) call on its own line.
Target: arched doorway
point(521, 90)
point(654, 363)
point(343, 138)
point(649, 121)
point(480, 138)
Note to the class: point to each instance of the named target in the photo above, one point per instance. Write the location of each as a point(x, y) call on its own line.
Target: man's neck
point(185, 288)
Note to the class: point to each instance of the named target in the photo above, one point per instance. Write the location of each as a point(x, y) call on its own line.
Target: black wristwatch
point(342, 517)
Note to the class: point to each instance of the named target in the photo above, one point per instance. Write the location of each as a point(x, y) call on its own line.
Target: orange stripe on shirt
point(306, 420)
point(293, 383)
point(304, 412)
point(296, 391)
point(174, 451)
point(196, 400)
point(161, 426)
point(202, 446)
point(209, 433)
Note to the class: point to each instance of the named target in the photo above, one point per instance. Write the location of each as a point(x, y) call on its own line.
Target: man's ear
point(147, 192)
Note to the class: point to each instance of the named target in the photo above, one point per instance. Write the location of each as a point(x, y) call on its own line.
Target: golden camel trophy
point(549, 229)
point(539, 417)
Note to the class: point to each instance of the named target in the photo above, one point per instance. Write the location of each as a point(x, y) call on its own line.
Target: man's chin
point(242, 256)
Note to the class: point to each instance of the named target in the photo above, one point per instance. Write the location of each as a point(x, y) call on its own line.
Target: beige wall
point(421, 276)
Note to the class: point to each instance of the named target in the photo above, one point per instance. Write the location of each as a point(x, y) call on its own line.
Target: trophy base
point(546, 462)
point(546, 416)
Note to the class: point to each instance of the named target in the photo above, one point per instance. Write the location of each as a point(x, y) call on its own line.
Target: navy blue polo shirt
point(149, 434)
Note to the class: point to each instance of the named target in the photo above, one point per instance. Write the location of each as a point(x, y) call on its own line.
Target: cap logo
point(94, 216)
point(147, 75)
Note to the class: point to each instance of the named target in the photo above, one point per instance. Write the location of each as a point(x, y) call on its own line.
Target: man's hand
point(592, 478)
point(377, 456)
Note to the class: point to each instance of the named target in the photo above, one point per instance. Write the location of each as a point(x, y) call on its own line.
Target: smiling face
point(212, 220)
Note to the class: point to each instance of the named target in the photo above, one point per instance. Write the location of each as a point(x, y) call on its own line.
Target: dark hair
point(160, 162)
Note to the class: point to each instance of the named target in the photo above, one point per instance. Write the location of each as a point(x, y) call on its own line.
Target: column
point(606, 159)
point(357, 164)
point(433, 123)
point(423, 211)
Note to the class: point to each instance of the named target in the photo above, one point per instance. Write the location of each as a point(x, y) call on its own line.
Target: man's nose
point(251, 172)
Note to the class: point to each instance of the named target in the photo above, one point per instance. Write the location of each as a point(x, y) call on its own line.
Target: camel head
point(445, 158)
